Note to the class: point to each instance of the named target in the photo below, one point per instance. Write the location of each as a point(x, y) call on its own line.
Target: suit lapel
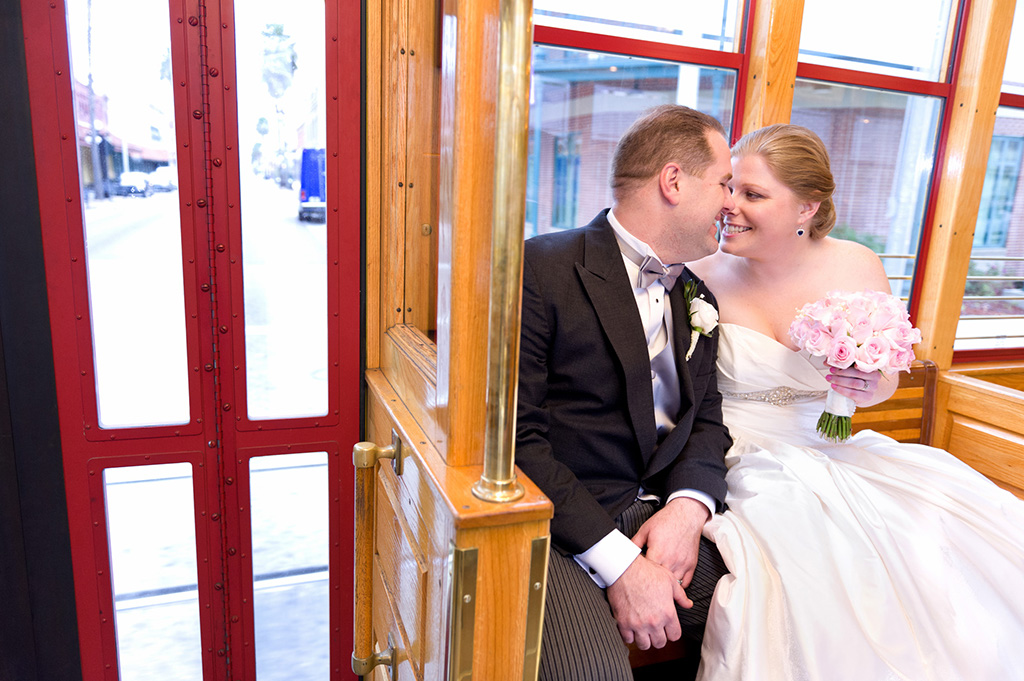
point(681, 330)
point(673, 444)
point(604, 277)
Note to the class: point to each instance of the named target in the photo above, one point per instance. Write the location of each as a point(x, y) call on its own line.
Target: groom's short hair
point(666, 133)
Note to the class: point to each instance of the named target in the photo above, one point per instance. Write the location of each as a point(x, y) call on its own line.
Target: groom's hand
point(672, 536)
point(643, 602)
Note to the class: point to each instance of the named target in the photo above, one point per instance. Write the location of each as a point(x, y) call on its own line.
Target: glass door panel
point(151, 531)
point(124, 109)
point(282, 141)
point(290, 546)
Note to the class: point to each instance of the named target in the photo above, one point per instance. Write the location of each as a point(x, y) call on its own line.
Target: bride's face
point(767, 214)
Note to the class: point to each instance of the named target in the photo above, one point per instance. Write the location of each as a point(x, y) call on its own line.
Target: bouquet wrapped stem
point(835, 424)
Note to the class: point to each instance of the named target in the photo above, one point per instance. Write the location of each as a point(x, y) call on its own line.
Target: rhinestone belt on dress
point(780, 397)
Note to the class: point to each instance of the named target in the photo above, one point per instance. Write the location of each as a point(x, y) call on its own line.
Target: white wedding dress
point(860, 561)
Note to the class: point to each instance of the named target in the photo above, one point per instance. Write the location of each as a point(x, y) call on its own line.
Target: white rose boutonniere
point(703, 315)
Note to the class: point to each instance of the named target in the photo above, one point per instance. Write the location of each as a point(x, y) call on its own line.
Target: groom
point(617, 423)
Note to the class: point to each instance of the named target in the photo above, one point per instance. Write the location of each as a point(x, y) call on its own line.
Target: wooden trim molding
point(976, 100)
point(771, 75)
point(469, 99)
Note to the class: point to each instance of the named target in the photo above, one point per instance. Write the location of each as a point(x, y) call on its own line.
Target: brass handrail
point(498, 482)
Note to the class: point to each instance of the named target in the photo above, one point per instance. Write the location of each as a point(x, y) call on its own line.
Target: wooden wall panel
point(409, 360)
point(980, 423)
point(502, 591)
point(421, 515)
point(402, 566)
point(994, 452)
point(422, 54)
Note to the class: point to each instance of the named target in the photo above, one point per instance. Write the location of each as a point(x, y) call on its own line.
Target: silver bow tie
point(652, 270)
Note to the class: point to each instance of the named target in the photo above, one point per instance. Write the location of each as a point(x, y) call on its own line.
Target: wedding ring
point(865, 382)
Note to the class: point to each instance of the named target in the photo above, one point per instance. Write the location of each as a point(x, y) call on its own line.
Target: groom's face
point(704, 198)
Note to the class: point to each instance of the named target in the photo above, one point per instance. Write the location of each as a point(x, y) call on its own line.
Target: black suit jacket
point(585, 430)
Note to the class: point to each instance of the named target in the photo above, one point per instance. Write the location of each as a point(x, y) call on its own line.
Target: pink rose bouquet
point(868, 330)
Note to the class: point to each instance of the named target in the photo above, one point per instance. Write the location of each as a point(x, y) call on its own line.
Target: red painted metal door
point(205, 307)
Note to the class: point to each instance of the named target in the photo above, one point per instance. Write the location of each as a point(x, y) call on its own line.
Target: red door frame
point(216, 445)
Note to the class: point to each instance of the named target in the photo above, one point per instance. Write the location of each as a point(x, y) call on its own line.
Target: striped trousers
point(580, 639)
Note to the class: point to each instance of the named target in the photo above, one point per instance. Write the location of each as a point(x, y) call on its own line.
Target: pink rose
point(888, 315)
point(902, 336)
point(873, 355)
point(817, 312)
point(900, 360)
point(862, 303)
point(817, 341)
point(842, 353)
point(861, 326)
point(799, 329)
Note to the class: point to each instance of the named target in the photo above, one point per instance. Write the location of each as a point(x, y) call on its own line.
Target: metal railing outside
point(992, 315)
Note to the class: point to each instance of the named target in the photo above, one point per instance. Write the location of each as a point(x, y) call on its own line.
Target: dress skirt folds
point(865, 560)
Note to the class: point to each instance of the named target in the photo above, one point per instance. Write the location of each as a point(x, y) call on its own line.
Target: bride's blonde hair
point(798, 159)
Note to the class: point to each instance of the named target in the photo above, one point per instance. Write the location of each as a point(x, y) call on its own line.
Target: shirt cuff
point(606, 560)
point(702, 497)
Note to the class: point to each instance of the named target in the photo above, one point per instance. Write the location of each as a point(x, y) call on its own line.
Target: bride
point(866, 560)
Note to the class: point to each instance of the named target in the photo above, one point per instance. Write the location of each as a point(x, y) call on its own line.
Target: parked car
point(164, 179)
point(313, 186)
point(133, 183)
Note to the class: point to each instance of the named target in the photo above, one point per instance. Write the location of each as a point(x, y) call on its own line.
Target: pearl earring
point(800, 232)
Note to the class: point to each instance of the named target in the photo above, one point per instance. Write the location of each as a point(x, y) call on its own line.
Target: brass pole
point(498, 482)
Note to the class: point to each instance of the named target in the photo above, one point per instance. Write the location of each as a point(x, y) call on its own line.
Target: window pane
point(125, 119)
point(580, 104)
point(709, 24)
point(282, 136)
point(152, 535)
point(908, 38)
point(992, 315)
point(882, 148)
point(290, 544)
point(1013, 73)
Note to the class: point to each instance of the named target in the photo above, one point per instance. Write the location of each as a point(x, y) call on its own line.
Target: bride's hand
point(859, 386)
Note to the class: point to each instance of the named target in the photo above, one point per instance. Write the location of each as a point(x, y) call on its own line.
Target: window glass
point(882, 149)
point(709, 24)
point(992, 315)
point(124, 110)
point(282, 139)
point(151, 531)
point(290, 546)
point(909, 38)
point(580, 104)
point(1013, 73)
